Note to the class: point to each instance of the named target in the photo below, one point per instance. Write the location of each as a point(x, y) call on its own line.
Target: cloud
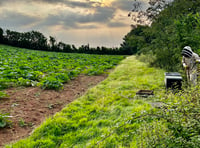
point(116, 24)
point(101, 15)
point(67, 2)
point(48, 1)
point(123, 5)
point(16, 19)
point(87, 4)
point(86, 12)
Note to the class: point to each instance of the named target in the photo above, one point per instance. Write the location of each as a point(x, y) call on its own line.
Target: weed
point(22, 123)
point(50, 106)
point(5, 120)
point(14, 105)
point(3, 94)
point(37, 94)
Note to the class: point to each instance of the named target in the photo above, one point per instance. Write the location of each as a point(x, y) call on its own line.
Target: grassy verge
point(105, 115)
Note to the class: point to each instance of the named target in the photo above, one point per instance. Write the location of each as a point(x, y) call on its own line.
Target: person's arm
point(197, 58)
point(184, 63)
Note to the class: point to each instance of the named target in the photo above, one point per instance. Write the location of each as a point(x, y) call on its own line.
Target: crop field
point(111, 114)
point(105, 115)
point(49, 70)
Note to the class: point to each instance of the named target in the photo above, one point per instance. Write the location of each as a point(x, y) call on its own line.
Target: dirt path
point(30, 106)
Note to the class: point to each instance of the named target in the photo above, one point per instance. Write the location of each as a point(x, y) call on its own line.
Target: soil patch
point(30, 106)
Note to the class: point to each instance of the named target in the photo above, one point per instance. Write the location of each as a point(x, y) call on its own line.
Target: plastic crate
point(173, 80)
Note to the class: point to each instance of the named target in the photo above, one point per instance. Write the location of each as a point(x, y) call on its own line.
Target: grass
point(104, 116)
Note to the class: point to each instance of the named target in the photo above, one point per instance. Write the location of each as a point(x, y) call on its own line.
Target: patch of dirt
point(29, 107)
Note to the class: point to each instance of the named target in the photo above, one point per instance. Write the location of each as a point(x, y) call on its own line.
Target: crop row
point(22, 67)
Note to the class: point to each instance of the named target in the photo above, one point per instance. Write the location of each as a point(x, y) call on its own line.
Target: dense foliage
point(175, 27)
point(180, 115)
point(22, 67)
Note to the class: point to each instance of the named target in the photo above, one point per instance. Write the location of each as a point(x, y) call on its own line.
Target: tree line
point(37, 41)
point(176, 26)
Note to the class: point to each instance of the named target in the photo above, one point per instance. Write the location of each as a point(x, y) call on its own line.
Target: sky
point(78, 22)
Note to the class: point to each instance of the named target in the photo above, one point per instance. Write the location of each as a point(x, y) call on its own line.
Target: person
point(190, 61)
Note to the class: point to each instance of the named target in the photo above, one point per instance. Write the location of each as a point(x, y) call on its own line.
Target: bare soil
point(29, 107)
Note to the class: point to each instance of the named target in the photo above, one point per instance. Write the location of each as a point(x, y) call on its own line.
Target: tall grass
point(177, 124)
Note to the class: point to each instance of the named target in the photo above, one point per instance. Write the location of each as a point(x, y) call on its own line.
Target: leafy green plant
point(24, 82)
point(4, 120)
point(63, 77)
point(4, 83)
point(3, 94)
point(22, 123)
point(51, 83)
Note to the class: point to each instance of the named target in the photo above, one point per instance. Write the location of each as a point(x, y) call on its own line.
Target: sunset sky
point(78, 22)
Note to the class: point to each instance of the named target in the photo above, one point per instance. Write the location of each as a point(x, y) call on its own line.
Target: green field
point(22, 67)
point(110, 114)
point(106, 111)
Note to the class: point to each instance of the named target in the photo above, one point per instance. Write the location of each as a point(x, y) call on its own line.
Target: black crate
point(173, 80)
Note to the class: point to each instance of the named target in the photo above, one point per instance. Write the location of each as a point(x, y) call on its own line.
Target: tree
point(64, 47)
point(1, 35)
point(13, 38)
point(135, 40)
point(145, 17)
point(176, 26)
point(38, 40)
point(67, 48)
point(52, 41)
